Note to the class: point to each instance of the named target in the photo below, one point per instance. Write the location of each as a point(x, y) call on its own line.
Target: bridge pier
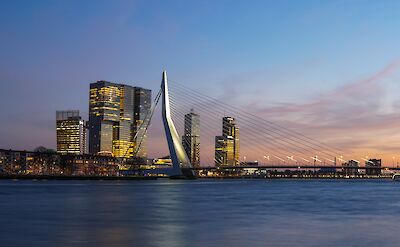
point(180, 162)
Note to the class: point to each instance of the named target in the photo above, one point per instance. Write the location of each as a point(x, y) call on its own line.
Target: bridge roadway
point(302, 167)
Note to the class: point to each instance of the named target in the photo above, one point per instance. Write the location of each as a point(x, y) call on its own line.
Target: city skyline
point(343, 92)
point(199, 123)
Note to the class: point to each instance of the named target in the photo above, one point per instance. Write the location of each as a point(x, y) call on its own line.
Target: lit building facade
point(191, 138)
point(123, 143)
point(104, 112)
point(113, 113)
point(224, 151)
point(14, 162)
point(71, 133)
point(228, 143)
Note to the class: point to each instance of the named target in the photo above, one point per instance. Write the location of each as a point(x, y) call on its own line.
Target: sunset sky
point(328, 69)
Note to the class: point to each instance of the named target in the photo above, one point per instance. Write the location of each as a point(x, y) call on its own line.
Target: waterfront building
point(115, 112)
point(123, 143)
point(90, 165)
point(141, 109)
point(71, 132)
point(230, 129)
point(191, 138)
point(227, 145)
point(350, 167)
point(166, 160)
point(16, 162)
point(224, 151)
point(373, 167)
point(104, 112)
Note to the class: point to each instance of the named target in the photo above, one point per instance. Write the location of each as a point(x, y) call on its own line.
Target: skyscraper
point(230, 129)
point(224, 151)
point(123, 143)
point(142, 106)
point(104, 114)
point(191, 138)
point(227, 145)
point(71, 133)
point(113, 117)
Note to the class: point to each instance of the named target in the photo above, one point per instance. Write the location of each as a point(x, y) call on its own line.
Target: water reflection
point(199, 213)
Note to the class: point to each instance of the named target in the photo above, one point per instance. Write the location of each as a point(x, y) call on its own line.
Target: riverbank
point(49, 177)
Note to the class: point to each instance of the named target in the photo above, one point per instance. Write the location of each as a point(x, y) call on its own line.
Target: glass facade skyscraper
point(224, 151)
point(71, 133)
point(191, 138)
point(123, 143)
point(104, 114)
point(141, 109)
point(113, 112)
point(227, 145)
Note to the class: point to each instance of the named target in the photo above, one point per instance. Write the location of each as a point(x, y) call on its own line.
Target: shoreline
point(49, 177)
point(116, 178)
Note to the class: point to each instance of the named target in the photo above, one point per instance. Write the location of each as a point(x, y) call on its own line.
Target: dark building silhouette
point(350, 167)
point(373, 167)
point(191, 138)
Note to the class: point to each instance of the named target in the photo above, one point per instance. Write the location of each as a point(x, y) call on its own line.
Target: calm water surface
point(200, 213)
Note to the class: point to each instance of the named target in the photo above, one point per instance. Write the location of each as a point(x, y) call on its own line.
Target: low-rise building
point(373, 167)
point(14, 162)
point(350, 167)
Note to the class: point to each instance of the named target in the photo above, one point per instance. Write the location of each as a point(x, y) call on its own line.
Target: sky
point(328, 69)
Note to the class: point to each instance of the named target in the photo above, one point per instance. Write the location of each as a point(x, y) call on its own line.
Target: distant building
point(250, 163)
point(166, 160)
point(14, 162)
point(90, 165)
point(191, 138)
point(373, 167)
point(224, 151)
point(350, 167)
point(116, 112)
point(230, 129)
point(104, 115)
point(71, 133)
point(227, 145)
point(141, 109)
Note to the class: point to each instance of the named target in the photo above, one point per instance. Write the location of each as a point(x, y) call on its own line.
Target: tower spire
point(176, 150)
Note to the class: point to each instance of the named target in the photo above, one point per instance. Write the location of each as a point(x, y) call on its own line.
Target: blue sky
point(51, 50)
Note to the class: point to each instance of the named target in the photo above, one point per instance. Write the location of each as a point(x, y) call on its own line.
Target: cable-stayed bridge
point(229, 136)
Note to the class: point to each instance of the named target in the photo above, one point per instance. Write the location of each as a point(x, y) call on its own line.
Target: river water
point(200, 213)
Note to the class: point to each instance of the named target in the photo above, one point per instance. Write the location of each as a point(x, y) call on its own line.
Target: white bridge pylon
point(176, 150)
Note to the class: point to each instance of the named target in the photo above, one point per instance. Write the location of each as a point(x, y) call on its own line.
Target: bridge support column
point(180, 162)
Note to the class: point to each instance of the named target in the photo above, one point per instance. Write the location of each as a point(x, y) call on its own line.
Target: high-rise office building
point(104, 115)
point(227, 145)
point(142, 106)
point(191, 138)
point(71, 133)
point(123, 143)
point(113, 112)
point(224, 151)
point(230, 129)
